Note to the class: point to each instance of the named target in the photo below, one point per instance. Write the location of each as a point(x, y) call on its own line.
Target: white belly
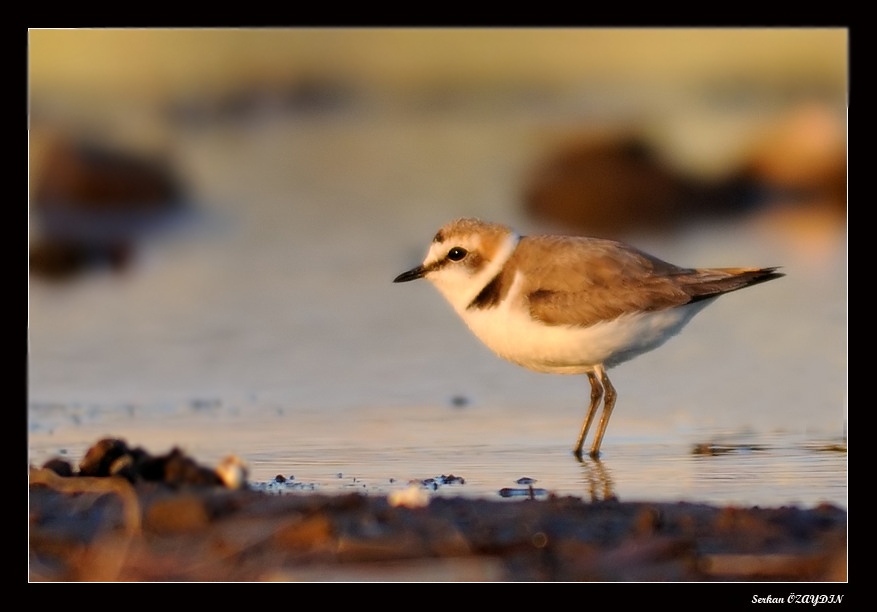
point(565, 349)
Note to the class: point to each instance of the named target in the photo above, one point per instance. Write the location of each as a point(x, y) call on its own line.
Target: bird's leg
point(608, 405)
point(596, 394)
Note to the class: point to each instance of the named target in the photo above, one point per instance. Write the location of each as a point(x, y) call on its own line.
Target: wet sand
point(169, 518)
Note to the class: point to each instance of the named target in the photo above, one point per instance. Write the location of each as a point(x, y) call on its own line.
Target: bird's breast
point(510, 332)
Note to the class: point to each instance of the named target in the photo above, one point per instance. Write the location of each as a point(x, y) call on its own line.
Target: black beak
point(410, 275)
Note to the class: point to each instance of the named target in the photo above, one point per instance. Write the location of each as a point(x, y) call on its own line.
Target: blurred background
point(215, 217)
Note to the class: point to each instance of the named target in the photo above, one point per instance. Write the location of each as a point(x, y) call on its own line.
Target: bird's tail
point(711, 282)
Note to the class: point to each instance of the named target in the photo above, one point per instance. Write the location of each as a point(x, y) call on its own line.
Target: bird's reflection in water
point(598, 479)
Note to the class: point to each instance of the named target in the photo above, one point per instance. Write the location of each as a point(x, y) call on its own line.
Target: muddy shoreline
point(174, 520)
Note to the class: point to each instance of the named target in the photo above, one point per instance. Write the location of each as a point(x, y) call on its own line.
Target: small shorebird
point(569, 304)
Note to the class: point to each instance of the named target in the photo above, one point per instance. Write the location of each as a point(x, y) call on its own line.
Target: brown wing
point(581, 281)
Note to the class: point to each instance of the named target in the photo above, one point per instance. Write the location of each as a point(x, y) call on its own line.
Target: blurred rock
point(92, 203)
point(113, 457)
point(59, 466)
point(179, 514)
point(612, 184)
point(608, 185)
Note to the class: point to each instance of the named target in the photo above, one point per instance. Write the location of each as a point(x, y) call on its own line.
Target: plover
point(569, 304)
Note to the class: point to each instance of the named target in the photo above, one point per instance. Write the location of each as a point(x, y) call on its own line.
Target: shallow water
point(268, 327)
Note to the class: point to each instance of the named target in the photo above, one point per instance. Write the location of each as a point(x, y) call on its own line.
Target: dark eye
point(456, 254)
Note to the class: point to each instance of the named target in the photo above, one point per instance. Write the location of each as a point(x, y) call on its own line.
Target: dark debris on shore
point(142, 518)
